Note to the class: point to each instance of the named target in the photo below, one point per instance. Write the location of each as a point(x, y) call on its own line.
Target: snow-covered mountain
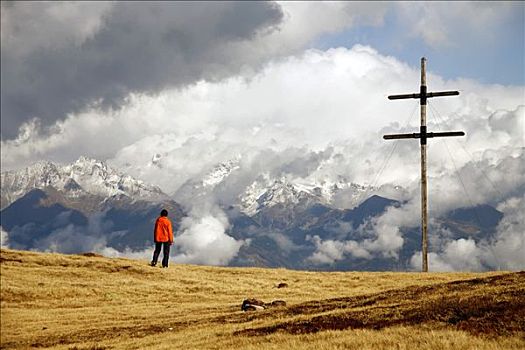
point(207, 183)
point(85, 176)
point(220, 172)
point(266, 192)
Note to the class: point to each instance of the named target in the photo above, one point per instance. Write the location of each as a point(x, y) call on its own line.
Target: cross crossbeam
point(423, 135)
point(427, 94)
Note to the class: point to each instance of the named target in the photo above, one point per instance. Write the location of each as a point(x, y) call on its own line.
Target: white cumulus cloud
point(203, 240)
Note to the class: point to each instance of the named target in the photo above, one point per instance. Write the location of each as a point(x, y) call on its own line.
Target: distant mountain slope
point(278, 236)
point(282, 235)
point(45, 219)
point(484, 217)
point(29, 220)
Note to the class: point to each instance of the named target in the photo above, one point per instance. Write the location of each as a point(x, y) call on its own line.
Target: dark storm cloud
point(58, 58)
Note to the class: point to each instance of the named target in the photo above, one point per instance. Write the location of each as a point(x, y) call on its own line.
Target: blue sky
point(494, 54)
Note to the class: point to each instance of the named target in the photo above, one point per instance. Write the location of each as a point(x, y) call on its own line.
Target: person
point(163, 237)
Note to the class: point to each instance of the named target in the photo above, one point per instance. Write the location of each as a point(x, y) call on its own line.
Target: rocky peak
point(85, 175)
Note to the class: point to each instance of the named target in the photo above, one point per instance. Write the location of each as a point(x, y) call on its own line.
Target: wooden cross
point(423, 135)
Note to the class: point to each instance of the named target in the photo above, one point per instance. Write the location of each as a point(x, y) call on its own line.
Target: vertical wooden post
point(423, 142)
point(423, 135)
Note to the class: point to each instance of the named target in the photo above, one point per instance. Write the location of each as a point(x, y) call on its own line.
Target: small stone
point(250, 307)
point(252, 304)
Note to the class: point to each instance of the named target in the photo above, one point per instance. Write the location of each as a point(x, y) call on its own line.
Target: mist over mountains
point(272, 221)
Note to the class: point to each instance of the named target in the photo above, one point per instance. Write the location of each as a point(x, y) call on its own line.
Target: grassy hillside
point(90, 302)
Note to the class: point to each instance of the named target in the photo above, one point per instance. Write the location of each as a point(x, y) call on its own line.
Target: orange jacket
point(163, 231)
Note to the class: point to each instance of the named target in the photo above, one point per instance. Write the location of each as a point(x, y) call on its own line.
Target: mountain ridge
point(290, 223)
point(85, 176)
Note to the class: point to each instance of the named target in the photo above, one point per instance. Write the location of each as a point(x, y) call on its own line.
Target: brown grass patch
point(491, 306)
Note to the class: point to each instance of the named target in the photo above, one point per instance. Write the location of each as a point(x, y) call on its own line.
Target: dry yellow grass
point(79, 302)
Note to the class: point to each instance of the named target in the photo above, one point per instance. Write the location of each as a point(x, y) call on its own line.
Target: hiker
point(163, 237)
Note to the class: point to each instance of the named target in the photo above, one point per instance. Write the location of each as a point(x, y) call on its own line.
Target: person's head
point(164, 212)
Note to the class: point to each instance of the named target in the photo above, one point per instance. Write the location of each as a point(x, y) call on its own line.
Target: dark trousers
point(165, 253)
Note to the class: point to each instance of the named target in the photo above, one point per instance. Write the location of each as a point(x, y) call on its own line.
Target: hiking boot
point(164, 266)
point(153, 264)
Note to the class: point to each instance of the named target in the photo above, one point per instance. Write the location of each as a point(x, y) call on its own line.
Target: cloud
point(509, 244)
point(65, 237)
point(458, 255)
point(378, 236)
point(381, 237)
point(283, 241)
point(145, 254)
point(495, 184)
point(502, 252)
point(440, 25)
point(30, 27)
point(203, 241)
point(71, 238)
point(329, 251)
point(59, 58)
point(304, 21)
point(386, 238)
point(68, 57)
point(471, 178)
point(62, 58)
